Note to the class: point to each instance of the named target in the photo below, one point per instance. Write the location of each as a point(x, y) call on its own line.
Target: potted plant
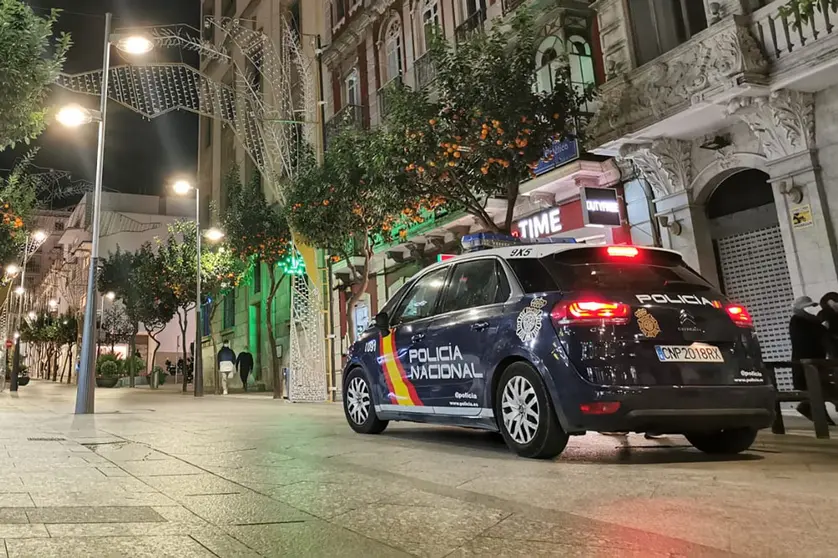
point(23, 376)
point(107, 371)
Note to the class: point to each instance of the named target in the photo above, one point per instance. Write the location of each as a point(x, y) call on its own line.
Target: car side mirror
point(382, 322)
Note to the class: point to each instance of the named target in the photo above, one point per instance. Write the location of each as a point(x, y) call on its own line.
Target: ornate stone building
point(725, 113)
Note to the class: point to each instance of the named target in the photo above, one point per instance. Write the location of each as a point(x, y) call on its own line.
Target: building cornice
point(348, 38)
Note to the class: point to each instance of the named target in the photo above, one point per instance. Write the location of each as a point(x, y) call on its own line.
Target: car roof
point(538, 251)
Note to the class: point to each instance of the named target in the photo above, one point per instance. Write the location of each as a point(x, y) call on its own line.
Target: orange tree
point(482, 129)
point(356, 193)
point(257, 233)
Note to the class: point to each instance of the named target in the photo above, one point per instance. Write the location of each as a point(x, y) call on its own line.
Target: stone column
point(784, 123)
point(667, 166)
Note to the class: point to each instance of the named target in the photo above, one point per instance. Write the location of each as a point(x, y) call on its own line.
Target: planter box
point(108, 382)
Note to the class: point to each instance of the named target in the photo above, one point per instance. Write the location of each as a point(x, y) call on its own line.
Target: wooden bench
point(814, 371)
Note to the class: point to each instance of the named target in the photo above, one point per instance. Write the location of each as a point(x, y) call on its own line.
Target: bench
point(814, 371)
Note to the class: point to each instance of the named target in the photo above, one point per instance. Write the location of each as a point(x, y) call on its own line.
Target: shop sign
point(801, 217)
point(546, 223)
point(560, 153)
point(601, 207)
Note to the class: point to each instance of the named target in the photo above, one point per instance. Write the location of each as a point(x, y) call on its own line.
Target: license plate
point(697, 352)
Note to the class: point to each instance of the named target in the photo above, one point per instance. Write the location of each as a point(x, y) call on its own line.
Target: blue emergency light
point(487, 241)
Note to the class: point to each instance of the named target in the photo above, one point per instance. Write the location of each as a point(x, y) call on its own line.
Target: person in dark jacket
point(226, 364)
point(829, 318)
point(244, 362)
point(809, 339)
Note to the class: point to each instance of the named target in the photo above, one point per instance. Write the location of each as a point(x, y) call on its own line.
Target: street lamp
point(12, 270)
point(32, 315)
point(110, 295)
point(19, 290)
point(75, 116)
point(214, 234)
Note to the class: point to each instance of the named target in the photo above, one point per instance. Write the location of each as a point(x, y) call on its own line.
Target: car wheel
point(358, 406)
point(724, 442)
point(526, 417)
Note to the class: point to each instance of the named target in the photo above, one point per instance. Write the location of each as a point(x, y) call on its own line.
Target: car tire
point(358, 405)
point(723, 442)
point(530, 427)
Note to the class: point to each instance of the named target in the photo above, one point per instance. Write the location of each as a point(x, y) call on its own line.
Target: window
point(340, 10)
point(548, 62)
point(431, 22)
point(421, 299)
point(393, 50)
point(205, 318)
point(661, 25)
point(228, 8)
point(257, 277)
point(581, 64)
point(533, 276)
point(475, 284)
point(352, 89)
point(59, 226)
point(228, 317)
point(206, 128)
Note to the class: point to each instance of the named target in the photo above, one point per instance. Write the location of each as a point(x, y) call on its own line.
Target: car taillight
point(591, 312)
point(600, 408)
point(739, 315)
point(622, 251)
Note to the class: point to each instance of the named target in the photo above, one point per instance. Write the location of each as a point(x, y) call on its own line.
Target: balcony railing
point(779, 35)
point(472, 24)
point(425, 71)
point(385, 95)
point(510, 5)
point(350, 115)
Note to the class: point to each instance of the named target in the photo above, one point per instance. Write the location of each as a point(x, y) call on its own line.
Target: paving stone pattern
point(160, 474)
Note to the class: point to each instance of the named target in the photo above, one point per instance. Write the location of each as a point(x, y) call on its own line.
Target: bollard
point(813, 386)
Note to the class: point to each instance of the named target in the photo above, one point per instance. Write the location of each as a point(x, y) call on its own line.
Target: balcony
point(473, 24)
point(350, 115)
point(511, 5)
point(425, 71)
point(384, 96)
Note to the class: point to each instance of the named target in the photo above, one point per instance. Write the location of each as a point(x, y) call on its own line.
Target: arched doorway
point(751, 258)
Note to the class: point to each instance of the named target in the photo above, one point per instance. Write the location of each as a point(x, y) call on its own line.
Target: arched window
point(431, 22)
point(581, 64)
point(548, 60)
point(393, 50)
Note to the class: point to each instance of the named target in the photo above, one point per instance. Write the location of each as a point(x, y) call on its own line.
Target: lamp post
point(33, 243)
point(74, 116)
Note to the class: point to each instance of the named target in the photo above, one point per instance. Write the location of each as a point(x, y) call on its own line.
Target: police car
point(548, 340)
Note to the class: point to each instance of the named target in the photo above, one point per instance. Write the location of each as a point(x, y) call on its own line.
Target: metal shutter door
point(755, 273)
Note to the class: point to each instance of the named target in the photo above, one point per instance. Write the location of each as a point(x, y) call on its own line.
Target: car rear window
point(532, 275)
point(593, 268)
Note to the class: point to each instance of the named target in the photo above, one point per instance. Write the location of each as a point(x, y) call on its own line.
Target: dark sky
point(141, 156)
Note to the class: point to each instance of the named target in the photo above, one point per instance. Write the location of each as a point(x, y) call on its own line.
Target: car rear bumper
point(675, 410)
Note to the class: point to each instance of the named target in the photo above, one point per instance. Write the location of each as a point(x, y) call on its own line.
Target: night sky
point(141, 156)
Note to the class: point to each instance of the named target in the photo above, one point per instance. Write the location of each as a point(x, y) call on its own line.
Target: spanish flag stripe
point(383, 360)
point(394, 375)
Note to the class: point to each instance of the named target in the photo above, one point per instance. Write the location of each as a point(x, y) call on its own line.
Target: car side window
point(421, 300)
point(475, 283)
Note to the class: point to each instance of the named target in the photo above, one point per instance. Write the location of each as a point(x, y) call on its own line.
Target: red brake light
point(739, 315)
point(581, 312)
point(600, 408)
point(622, 251)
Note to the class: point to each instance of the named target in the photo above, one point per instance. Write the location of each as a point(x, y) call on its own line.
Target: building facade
point(242, 316)
point(372, 43)
point(725, 112)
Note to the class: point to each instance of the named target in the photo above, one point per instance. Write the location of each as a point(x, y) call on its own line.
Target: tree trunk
point(153, 377)
point(511, 198)
point(216, 373)
point(358, 295)
point(71, 364)
point(183, 322)
point(269, 304)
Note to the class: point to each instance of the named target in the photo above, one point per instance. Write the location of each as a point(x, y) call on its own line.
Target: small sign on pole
point(9, 343)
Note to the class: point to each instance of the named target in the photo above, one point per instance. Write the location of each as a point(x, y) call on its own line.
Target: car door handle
point(480, 326)
point(418, 337)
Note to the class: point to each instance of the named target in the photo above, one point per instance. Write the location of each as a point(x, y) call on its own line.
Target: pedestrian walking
point(226, 364)
point(809, 340)
point(244, 362)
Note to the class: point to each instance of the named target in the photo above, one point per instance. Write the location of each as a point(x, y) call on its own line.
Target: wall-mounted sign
point(541, 224)
point(601, 206)
point(560, 153)
point(801, 216)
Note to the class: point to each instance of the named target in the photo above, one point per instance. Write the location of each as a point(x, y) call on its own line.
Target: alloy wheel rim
point(358, 401)
point(519, 406)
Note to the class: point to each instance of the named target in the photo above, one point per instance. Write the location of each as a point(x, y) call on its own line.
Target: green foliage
point(357, 192)
point(221, 271)
point(30, 61)
point(17, 199)
point(255, 229)
point(156, 305)
point(484, 128)
point(178, 263)
point(161, 375)
point(116, 326)
point(108, 369)
point(802, 11)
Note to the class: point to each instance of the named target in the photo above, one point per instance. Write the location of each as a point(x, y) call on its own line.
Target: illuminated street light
point(214, 234)
point(182, 187)
point(135, 44)
point(19, 290)
point(73, 116)
point(110, 295)
point(39, 236)
point(12, 270)
point(32, 315)
point(53, 304)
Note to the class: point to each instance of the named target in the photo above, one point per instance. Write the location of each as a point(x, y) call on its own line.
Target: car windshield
point(651, 271)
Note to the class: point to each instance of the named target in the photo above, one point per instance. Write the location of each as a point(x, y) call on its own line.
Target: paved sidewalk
point(163, 474)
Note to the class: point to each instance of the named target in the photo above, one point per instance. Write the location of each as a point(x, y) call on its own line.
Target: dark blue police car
point(545, 341)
